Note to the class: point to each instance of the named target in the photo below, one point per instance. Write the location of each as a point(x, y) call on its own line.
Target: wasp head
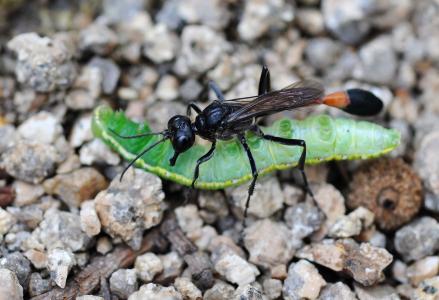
point(181, 135)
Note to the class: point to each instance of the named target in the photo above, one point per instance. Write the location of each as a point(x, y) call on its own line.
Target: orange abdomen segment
point(337, 99)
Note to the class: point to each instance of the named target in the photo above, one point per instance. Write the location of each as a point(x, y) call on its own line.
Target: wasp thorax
point(181, 133)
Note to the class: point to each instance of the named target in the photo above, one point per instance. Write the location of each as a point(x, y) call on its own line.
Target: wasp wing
point(299, 94)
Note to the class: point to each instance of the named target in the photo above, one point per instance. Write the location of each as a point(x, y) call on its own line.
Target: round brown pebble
point(390, 189)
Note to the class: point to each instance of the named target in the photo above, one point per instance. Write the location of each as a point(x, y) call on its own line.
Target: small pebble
point(7, 220)
point(187, 289)
point(272, 288)
point(43, 128)
point(269, 243)
point(76, 187)
point(123, 283)
point(347, 20)
point(37, 258)
point(427, 163)
point(44, 64)
point(336, 291)
point(89, 297)
point(326, 253)
point(233, 267)
point(96, 152)
point(103, 245)
point(219, 291)
point(152, 291)
point(167, 88)
point(188, 218)
point(38, 285)
point(190, 90)
point(261, 16)
point(110, 74)
point(352, 224)
point(10, 287)
point(59, 229)
point(130, 206)
point(422, 269)
point(418, 239)
point(161, 44)
point(376, 292)
point(172, 266)
point(81, 131)
point(310, 21)
point(26, 193)
point(303, 281)
point(266, 199)
point(331, 202)
point(30, 162)
point(201, 50)
point(59, 263)
point(147, 266)
point(17, 263)
point(303, 219)
point(98, 39)
point(90, 223)
point(427, 289)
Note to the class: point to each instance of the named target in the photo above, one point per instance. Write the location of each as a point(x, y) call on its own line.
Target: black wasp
point(227, 119)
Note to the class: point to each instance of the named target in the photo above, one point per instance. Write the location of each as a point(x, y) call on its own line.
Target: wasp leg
point(216, 89)
point(264, 81)
point(201, 160)
point(289, 142)
point(254, 174)
point(194, 107)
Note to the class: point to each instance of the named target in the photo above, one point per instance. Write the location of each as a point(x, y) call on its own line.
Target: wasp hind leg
point(254, 174)
point(193, 106)
point(290, 142)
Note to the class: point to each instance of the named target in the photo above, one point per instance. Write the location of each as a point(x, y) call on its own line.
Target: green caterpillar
point(326, 138)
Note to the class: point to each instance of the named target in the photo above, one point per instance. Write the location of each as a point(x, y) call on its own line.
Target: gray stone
point(187, 289)
point(154, 291)
point(30, 162)
point(7, 220)
point(97, 152)
point(97, 38)
point(18, 264)
point(188, 218)
point(10, 287)
point(147, 266)
point(167, 88)
point(303, 219)
point(123, 283)
point(130, 206)
point(376, 292)
point(219, 291)
point(190, 90)
point(347, 19)
point(201, 50)
point(337, 291)
point(261, 16)
point(172, 265)
point(272, 288)
point(322, 52)
point(104, 245)
point(42, 128)
point(110, 73)
point(418, 239)
point(378, 62)
point(269, 243)
point(26, 193)
point(38, 285)
point(59, 229)
point(266, 199)
point(427, 162)
point(44, 64)
point(303, 281)
point(59, 263)
point(90, 223)
point(310, 21)
point(161, 44)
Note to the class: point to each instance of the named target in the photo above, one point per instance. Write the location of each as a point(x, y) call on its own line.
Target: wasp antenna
point(140, 155)
point(138, 135)
point(355, 101)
